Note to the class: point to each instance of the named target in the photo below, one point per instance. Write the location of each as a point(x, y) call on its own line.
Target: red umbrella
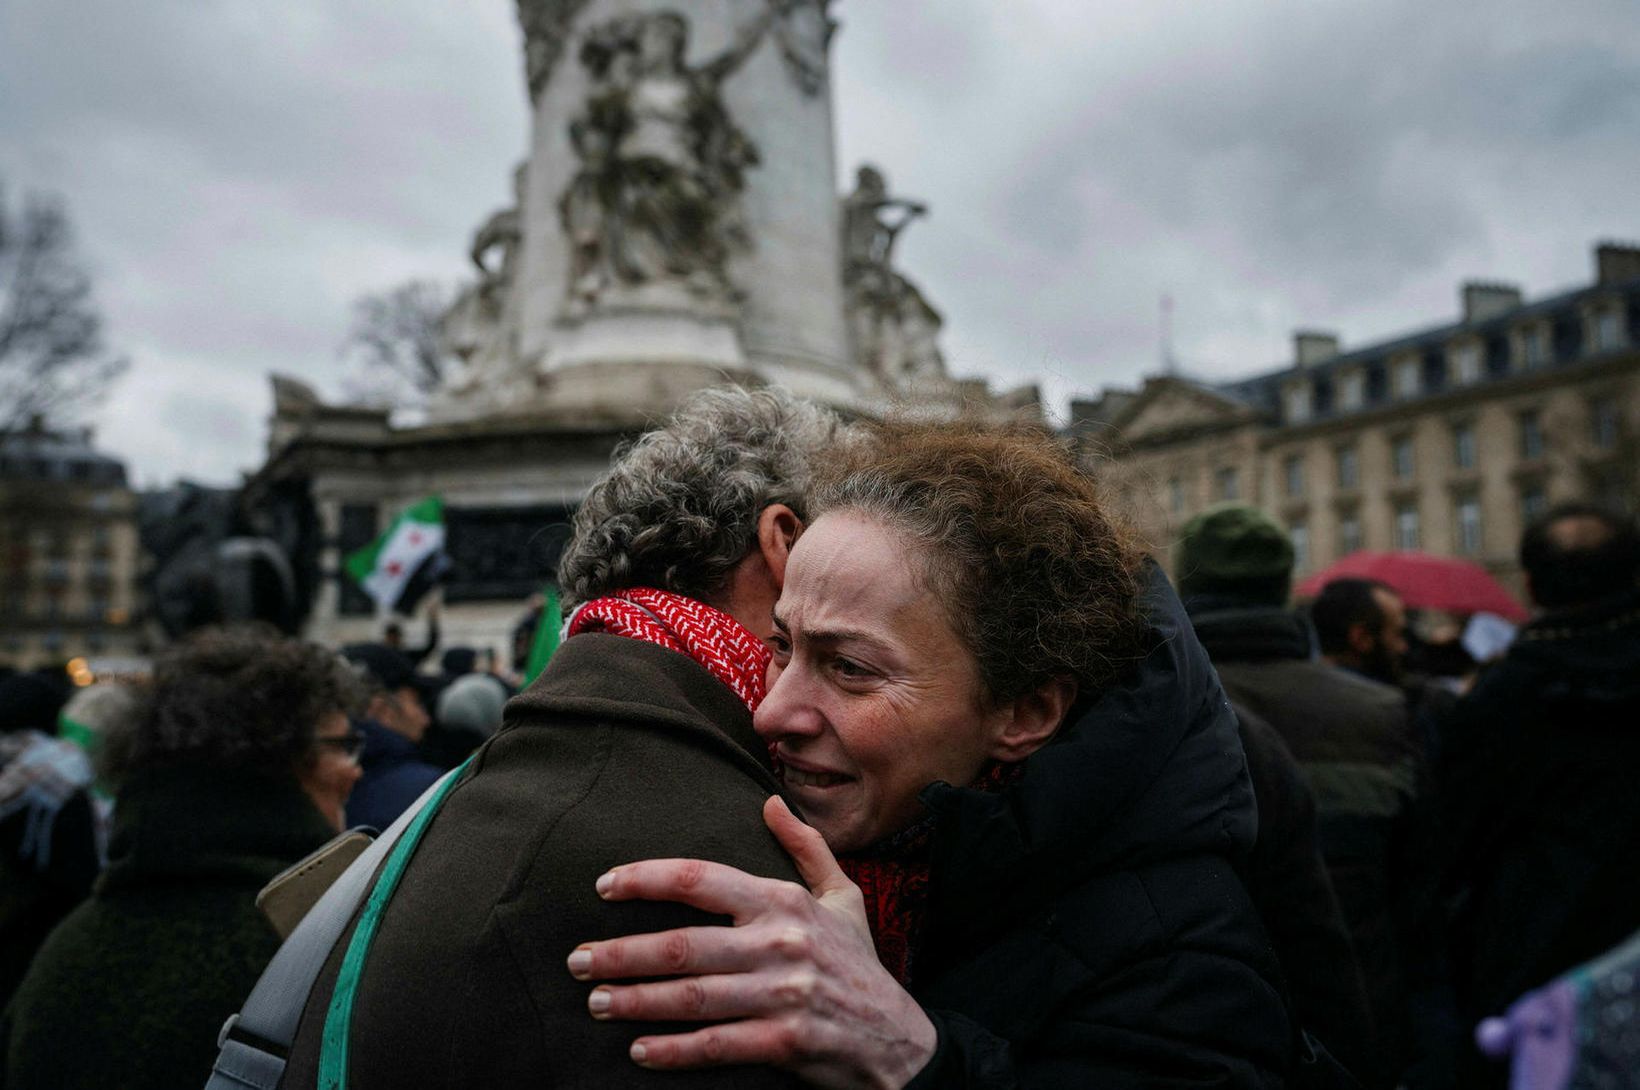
point(1424, 582)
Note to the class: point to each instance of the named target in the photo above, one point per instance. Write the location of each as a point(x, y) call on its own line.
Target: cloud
point(240, 172)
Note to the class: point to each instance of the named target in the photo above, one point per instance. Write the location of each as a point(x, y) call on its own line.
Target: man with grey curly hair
point(635, 742)
point(681, 506)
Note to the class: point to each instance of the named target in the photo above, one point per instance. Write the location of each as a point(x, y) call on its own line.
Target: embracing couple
point(876, 756)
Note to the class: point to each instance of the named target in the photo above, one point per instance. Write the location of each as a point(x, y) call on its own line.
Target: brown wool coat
point(620, 751)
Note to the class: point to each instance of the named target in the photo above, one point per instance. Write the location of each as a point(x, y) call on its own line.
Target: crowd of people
point(873, 755)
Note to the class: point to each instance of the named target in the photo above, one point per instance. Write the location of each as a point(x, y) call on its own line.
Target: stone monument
point(675, 224)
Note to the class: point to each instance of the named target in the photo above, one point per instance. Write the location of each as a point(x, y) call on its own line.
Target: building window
point(1300, 402)
point(1605, 423)
point(1463, 446)
point(97, 611)
point(1349, 535)
point(1608, 328)
point(1401, 460)
point(1229, 484)
point(1533, 502)
point(1406, 526)
point(1531, 435)
point(1352, 390)
point(1469, 525)
point(1293, 473)
point(1464, 361)
point(357, 529)
point(1533, 343)
point(1175, 495)
point(1349, 468)
point(1300, 537)
point(1407, 377)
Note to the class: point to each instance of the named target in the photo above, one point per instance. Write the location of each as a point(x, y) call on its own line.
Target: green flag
point(546, 634)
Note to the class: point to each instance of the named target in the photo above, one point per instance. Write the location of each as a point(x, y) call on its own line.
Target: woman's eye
point(781, 646)
point(850, 669)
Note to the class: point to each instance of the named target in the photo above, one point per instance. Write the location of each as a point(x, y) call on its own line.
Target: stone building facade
point(1448, 440)
point(69, 553)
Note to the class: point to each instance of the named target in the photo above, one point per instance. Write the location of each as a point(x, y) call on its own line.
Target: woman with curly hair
point(991, 710)
point(237, 765)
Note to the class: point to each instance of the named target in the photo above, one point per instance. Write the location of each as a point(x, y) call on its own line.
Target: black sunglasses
point(351, 744)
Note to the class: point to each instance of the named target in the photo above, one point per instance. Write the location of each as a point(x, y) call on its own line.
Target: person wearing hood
point(1026, 804)
point(1538, 789)
point(237, 766)
point(393, 724)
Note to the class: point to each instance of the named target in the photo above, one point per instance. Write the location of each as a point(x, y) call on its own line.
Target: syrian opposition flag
point(403, 564)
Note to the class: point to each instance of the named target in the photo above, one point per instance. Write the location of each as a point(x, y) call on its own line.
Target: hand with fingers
point(795, 983)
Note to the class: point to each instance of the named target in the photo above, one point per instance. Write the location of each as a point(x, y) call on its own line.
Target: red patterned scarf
point(893, 878)
point(709, 636)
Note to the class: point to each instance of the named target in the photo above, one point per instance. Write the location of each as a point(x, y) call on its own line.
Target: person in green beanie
point(1352, 738)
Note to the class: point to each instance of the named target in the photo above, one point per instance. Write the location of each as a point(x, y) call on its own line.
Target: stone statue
point(656, 198)
point(894, 328)
point(803, 33)
point(474, 326)
point(502, 231)
point(546, 25)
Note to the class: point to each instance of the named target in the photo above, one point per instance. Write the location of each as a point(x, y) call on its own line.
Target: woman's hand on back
point(795, 982)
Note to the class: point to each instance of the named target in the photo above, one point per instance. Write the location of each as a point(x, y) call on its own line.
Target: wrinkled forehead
point(849, 565)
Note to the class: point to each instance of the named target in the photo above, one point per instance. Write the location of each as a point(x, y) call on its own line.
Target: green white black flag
point(403, 564)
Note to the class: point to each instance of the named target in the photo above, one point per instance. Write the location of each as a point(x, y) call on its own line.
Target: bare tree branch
point(53, 363)
point(396, 338)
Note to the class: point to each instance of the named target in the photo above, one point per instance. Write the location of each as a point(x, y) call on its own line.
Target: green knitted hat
point(1234, 549)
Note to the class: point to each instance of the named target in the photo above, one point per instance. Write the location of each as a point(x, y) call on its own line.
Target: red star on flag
point(415, 537)
point(394, 567)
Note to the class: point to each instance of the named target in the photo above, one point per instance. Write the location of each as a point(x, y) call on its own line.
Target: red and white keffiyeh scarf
point(724, 646)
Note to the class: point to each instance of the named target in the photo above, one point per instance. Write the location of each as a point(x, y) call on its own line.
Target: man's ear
point(778, 528)
point(1033, 718)
point(1361, 638)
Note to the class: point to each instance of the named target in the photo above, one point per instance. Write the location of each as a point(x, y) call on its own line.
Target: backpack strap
point(254, 1044)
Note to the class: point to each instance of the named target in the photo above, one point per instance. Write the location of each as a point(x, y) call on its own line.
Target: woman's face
point(872, 697)
point(330, 772)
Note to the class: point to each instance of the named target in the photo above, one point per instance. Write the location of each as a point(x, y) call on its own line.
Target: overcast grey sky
point(240, 171)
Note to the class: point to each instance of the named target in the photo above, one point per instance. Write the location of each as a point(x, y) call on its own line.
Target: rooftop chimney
point(1615, 262)
point(1483, 299)
point(1311, 346)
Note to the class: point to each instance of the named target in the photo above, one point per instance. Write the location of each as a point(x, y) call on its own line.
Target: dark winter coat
point(619, 751)
point(1542, 789)
point(1087, 926)
point(1362, 761)
point(394, 776)
point(36, 895)
point(132, 988)
point(1288, 880)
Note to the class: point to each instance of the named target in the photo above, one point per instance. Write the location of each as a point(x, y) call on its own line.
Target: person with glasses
point(236, 764)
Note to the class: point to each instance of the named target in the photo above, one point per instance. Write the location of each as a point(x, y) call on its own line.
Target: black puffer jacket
point(1543, 815)
point(1087, 927)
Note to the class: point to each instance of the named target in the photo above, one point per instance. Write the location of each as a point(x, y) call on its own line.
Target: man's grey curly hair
point(679, 507)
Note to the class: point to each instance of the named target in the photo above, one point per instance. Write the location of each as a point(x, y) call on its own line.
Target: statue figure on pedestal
point(474, 327)
point(804, 36)
point(656, 198)
point(547, 25)
point(894, 328)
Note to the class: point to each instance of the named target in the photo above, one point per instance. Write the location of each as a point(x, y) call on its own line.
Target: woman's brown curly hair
point(239, 698)
point(1039, 577)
